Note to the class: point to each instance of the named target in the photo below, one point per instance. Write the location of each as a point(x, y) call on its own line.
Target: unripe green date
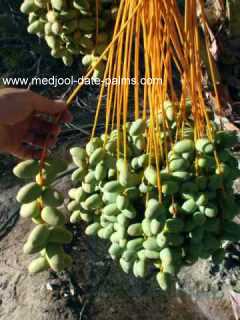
point(184, 146)
point(113, 187)
point(58, 4)
point(151, 254)
point(122, 202)
point(52, 198)
point(100, 172)
point(35, 27)
point(146, 227)
point(26, 169)
point(139, 268)
point(28, 6)
point(106, 232)
point(189, 206)
point(151, 244)
point(60, 235)
point(52, 216)
point(154, 209)
point(204, 146)
point(110, 210)
point(55, 257)
point(178, 165)
point(135, 230)
point(126, 266)
point(30, 210)
point(39, 236)
point(75, 217)
point(135, 244)
point(29, 193)
point(92, 229)
point(150, 174)
point(138, 127)
point(115, 250)
point(96, 157)
point(164, 280)
point(38, 265)
point(93, 202)
point(157, 225)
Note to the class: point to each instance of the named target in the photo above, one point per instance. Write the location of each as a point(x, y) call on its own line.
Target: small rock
point(112, 310)
point(72, 291)
point(228, 282)
point(49, 287)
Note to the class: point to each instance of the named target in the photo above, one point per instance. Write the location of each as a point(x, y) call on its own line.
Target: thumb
point(45, 105)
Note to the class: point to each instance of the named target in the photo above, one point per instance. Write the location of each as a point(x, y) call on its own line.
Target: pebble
point(72, 291)
point(49, 287)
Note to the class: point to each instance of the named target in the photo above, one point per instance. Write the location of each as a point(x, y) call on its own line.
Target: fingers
point(40, 129)
point(20, 104)
point(66, 116)
point(25, 152)
point(33, 144)
point(24, 113)
point(40, 141)
point(42, 133)
point(43, 127)
point(45, 105)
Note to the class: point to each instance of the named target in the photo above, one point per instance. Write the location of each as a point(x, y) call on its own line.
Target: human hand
point(23, 122)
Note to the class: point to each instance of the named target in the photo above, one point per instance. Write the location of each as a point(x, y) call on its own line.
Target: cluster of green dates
point(69, 28)
point(40, 202)
point(119, 199)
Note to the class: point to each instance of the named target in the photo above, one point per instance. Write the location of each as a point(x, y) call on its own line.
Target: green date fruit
point(29, 193)
point(28, 6)
point(58, 4)
point(135, 230)
point(93, 202)
point(154, 209)
point(30, 210)
point(204, 146)
point(184, 146)
point(92, 229)
point(139, 268)
point(113, 187)
point(60, 235)
point(55, 257)
point(26, 169)
point(36, 27)
point(39, 236)
point(96, 157)
point(150, 174)
point(138, 127)
point(52, 216)
point(52, 198)
point(38, 265)
point(75, 217)
point(164, 280)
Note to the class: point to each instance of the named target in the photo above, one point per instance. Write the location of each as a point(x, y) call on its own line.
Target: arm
point(23, 126)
